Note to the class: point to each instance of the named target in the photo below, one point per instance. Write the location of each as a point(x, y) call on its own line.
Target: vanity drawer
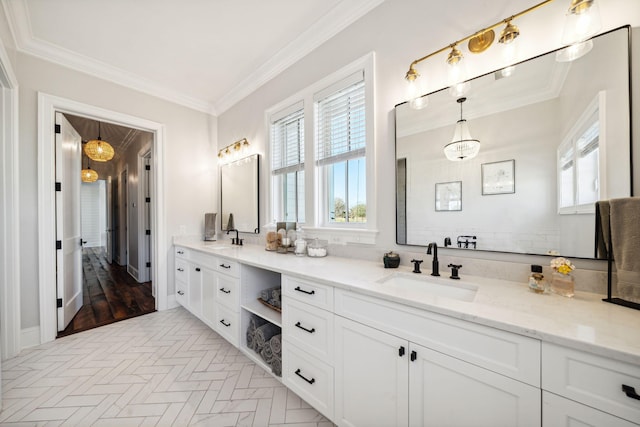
point(181, 293)
point(593, 380)
point(232, 268)
point(309, 378)
point(506, 353)
point(227, 324)
point(308, 327)
point(182, 270)
point(228, 291)
point(310, 292)
point(558, 411)
point(181, 252)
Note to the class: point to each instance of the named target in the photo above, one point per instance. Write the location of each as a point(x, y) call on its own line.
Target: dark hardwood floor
point(110, 294)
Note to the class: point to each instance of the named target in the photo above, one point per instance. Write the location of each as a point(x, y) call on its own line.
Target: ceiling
point(204, 54)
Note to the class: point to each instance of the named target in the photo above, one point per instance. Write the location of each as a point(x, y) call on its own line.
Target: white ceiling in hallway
point(205, 54)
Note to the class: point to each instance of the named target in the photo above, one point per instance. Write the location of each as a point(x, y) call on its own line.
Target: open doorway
point(113, 287)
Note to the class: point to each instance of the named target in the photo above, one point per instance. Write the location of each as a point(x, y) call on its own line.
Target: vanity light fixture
point(462, 146)
point(583, 21)
point(99, 150)
point(234, 151)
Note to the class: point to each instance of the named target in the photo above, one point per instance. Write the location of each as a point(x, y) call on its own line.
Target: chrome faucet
point(435, 265)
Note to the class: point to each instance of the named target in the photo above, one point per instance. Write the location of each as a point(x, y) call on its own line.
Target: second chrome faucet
point(435, 265)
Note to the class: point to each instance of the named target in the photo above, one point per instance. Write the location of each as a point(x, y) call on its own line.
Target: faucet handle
point(416, 265)
point(454, 271)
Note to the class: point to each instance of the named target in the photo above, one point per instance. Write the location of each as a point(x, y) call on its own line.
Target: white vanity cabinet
point(308, 344)
point(194, 279)
point(596, 390)
point(420, 369)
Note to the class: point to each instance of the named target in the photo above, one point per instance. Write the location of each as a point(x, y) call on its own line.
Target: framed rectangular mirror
point(239, 188)
point(564, 126)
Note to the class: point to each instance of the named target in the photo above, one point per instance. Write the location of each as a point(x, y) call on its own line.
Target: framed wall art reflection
point(498, 177)
point(449, 196)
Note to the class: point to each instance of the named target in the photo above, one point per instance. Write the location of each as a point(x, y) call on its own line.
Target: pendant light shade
point(99, 150)
point(89, 175)
point(462, 146)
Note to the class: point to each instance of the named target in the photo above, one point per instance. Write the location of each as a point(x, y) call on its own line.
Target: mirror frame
point(255, 158)
point(628, 29)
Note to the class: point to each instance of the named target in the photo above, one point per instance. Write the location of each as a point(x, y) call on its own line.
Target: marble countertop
point(583, 322)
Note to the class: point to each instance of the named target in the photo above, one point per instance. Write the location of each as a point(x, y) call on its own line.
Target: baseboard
point(30, 337)
point(171, 302)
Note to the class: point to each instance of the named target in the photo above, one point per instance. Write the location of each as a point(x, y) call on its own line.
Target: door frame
point(47, 106)
point(10, 215)
point(123, 213)
point(144, 188)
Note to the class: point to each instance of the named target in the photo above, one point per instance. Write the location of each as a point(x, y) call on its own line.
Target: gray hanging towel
point(625, 243)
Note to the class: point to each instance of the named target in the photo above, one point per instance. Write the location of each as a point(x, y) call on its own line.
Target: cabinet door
point(194, 294)
point(445, 391)
point(560, 412)
point(371, 382)
point(208, 297)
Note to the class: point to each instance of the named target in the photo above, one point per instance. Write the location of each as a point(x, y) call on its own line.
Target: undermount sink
point(440, 287)
point(216, 247)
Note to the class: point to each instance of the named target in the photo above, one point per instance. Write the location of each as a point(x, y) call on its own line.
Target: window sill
point(342, 236)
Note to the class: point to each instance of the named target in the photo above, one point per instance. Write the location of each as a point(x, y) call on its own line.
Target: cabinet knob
point(181, 269)
point(414, 356)
point(181, 252)
point(630, 392)
point(401, 351)
point(180, 293)
point(197, 268)
point(310, 381)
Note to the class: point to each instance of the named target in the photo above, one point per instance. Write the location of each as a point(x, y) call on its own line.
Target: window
point(579, 165)
point(322, 162)
point(287, 163)
point(341, 151)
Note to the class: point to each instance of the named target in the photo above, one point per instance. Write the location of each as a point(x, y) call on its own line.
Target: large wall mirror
point(240, 195)
point(555, 137)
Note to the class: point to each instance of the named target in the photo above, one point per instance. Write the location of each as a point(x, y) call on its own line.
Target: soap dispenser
point(536, 280)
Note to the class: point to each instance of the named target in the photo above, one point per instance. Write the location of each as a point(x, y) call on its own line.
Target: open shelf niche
point(254, 281)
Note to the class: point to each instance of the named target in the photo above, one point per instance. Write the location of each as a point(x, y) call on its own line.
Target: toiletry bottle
point(536, 281)
point(300, 245)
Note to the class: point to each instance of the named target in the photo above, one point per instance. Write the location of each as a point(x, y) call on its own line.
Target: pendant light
point(99, 150)
point(88, 174)
point(462, 146)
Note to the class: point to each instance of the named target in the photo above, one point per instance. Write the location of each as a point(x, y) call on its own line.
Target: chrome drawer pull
point(630, 392)
point(225, 266)
point(297, 288)
point(310, 381)
point(225, 324)
point(180, 293)
point(225, 291)
point(312, 330)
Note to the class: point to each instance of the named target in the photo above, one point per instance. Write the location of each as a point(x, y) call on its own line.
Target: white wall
point(190, 151)
point(399, 32)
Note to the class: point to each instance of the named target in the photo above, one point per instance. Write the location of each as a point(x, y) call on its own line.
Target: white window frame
point(314, 224)
point(596, 106)
point(276, 193)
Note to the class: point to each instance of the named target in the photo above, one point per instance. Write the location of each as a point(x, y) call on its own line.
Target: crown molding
point(329, 25)
point(336, 20)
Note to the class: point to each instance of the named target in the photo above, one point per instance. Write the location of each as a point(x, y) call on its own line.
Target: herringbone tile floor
point(161, 369)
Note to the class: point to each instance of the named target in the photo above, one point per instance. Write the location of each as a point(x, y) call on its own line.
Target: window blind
point(287, 143)
point(341, 124)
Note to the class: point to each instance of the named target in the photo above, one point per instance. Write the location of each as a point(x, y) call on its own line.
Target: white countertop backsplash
point(582, 322)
